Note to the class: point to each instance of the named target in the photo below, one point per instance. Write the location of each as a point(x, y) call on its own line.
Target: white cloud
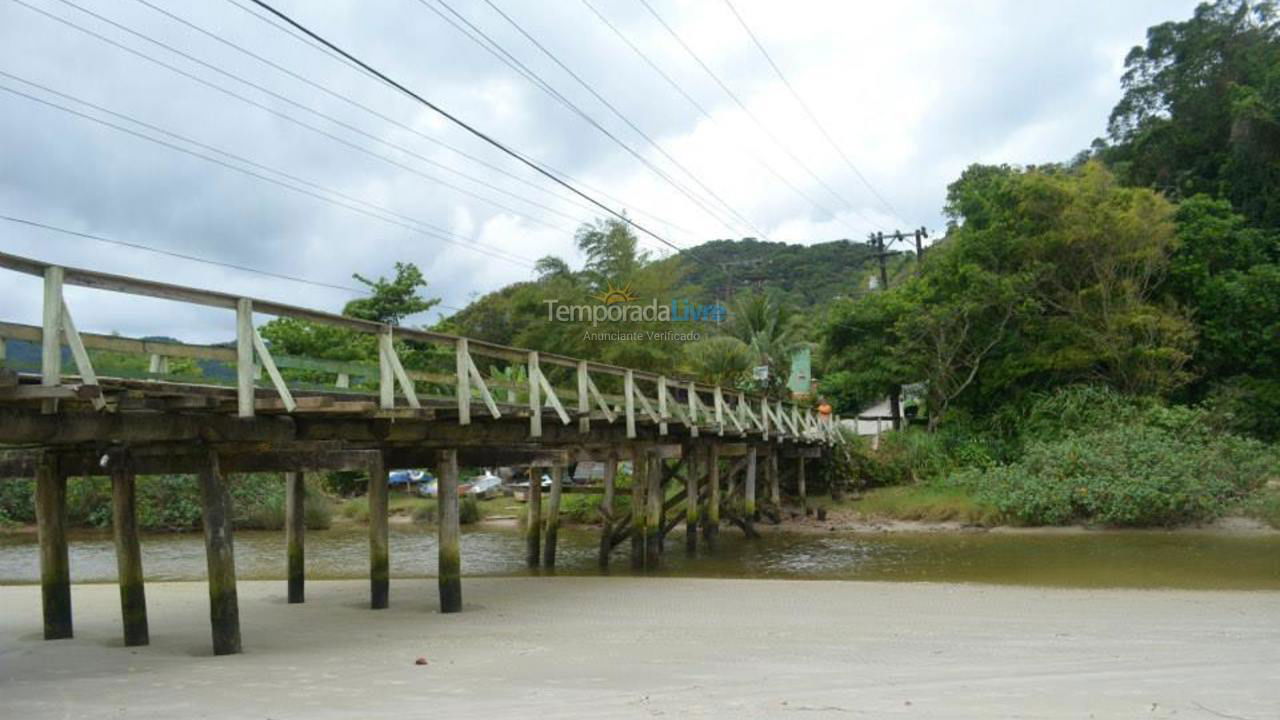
point(913, 92)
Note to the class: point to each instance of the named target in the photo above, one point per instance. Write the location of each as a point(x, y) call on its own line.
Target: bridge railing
point(519, 381)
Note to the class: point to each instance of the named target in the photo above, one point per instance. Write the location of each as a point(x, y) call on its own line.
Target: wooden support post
point(654, 520)
point(462, 356)
point(450, 561)
point(553, 518)
point(295, 528)
point(606, 509)
point(386, 373)
point(51, 339)
point(749, 487)
point(55, 565)
point(379, 549)
point(124, 528)
point(800, 489)
point(584, 398)
point(224, 609)
point(662, 405)
point(690, 499)
point(245, 371)
point(629, 402)
point(711, 521)
point(533, 521)
point(639, 487)
point(775, 484)
point(535, 401)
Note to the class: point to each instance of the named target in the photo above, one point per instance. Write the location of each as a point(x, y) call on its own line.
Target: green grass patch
point(924, 503)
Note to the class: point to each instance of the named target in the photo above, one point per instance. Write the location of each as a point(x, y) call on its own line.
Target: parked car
point(404, 479)
point(485, 485)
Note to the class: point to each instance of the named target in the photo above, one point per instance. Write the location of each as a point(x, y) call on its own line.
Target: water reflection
point(1113, 559)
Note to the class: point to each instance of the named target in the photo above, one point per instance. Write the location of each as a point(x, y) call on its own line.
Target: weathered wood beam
point(606, 509)
point(691, 502)
point(553, 518)
point(50, 347)
point(449, 571)
point(533, 521)
point(124, 530)
point(379, 546)
point(245, 370)
point(55, 563)
point(224, 608)
point(654, 516)
point(295, 528)
point(711, 520)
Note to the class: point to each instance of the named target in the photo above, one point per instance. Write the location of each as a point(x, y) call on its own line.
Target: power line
point(298, 105)
point(192, 258)
point(621, 116)
point(741, 105)
point(260, 166)
point(270, 63)
point(698, 106)
point(477, 133)
point(479, 37)
point(433, 233)
point(807, 110)
point(489, 44)
point(289, 32)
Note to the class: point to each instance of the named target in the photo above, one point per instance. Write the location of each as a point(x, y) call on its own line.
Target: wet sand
point(643, 647)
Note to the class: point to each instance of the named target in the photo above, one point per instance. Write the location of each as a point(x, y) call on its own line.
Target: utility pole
point(877, 242)
point(920, 234)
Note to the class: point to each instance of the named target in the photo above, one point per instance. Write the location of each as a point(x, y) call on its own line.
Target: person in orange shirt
point(824, 410)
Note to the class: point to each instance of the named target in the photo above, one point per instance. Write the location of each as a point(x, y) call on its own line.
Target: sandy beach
point(637, 647)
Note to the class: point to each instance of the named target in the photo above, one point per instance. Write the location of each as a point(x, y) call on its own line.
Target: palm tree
point(768, 328)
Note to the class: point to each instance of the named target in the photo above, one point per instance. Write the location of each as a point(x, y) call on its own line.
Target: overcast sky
point(911, 93)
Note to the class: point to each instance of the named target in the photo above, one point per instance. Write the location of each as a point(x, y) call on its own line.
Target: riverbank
point(640, 647)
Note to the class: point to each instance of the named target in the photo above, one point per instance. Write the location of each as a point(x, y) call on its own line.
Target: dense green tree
point(720, 360)
point(391, 301)
point(1047, 277)
point(1201, 109)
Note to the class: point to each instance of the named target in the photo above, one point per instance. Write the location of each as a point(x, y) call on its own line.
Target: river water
point(1141, 559)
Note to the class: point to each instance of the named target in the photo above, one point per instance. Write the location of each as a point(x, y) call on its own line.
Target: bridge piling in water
point(224, 609)
point(691, 469)
point(55, 563)
point(379, 549)
point(652, 510)
point(606, 508)
point(124, 530)
point(639, 491)
point(533, 520)
point(553, 517)
point(711, 519)
point(449, 568)
point(749, 489)
point(295, 527)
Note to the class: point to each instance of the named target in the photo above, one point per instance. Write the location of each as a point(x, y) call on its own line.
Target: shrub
point(168, 502)
point(356, 509)
point(425, 512)
point(89, 501)
point(1168, 470)
point(18, 500)
point(468, 510)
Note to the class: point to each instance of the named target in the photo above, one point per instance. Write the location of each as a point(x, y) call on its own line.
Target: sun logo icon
point(613, 295)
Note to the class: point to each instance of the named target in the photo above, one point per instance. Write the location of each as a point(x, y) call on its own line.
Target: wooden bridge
point(463, 402)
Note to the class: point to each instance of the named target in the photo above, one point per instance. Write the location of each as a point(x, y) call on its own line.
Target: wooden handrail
point(149, 288)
